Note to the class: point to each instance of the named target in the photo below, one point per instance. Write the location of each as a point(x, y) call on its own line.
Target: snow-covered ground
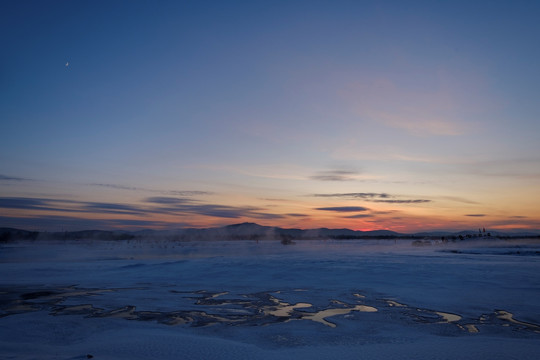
point(151, 299)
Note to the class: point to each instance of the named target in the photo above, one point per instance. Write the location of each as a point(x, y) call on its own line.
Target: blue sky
point(247, 111)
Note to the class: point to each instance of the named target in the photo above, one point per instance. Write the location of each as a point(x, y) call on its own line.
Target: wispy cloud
point(420, 113)
point(62, 205)
point(140, 223)
point(154, 205)
point(111, 208)
point(57, 223)
point(180, 207)
point(359, 216)
point(118, 187)
point(358, 195)
point(168, 200)
point(297, 215)
point(374, 197)
point(516, 223)
point(24, 203)
point(459, 199)
point(214, 210)
point(21, 203)
point(525, 168)
point(164, 192)
point(419, 125)
point(476, 215)
point(11, 178)
point(187, 192)
point(276, 200)
point(343, 208)
point(335, 175)
point(409, 201)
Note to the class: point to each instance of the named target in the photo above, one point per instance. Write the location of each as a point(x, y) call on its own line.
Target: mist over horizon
point(254, 231)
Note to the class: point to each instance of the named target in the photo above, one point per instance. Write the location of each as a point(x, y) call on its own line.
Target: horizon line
point(453, 231)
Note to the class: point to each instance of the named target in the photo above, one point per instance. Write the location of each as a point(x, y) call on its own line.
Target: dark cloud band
point(153, 206)
point(343, 208)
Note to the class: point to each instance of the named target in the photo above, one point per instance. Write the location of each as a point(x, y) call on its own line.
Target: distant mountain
point(250, 231)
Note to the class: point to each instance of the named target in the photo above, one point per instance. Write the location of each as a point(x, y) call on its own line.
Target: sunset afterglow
point(404, 116)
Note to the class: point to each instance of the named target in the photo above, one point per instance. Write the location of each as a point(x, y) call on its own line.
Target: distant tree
point(286, 239)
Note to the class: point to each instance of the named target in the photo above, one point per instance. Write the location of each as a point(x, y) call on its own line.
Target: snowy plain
point(315, 299)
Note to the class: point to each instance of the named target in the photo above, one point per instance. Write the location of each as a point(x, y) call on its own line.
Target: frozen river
point(144, 299)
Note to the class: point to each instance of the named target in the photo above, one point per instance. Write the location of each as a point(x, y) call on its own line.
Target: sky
point(399, 115)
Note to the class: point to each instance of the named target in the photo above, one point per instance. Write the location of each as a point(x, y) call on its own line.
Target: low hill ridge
point(249, 231)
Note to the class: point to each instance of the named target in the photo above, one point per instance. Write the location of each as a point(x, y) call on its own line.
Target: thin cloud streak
point(356, 195)
point(459, 199)
point(297, 215)
point(335, 175)
point(62, 223)
point(168, 200)
point(157, 206)
point(413, 201)
point(375, 197)
point(118, 187)
point(343, 208)
point(164, 192)
point(187, 192)
point(61, 205)
point(12, 178)
point(215, 210)
point(41, 204)
point(111, 208)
